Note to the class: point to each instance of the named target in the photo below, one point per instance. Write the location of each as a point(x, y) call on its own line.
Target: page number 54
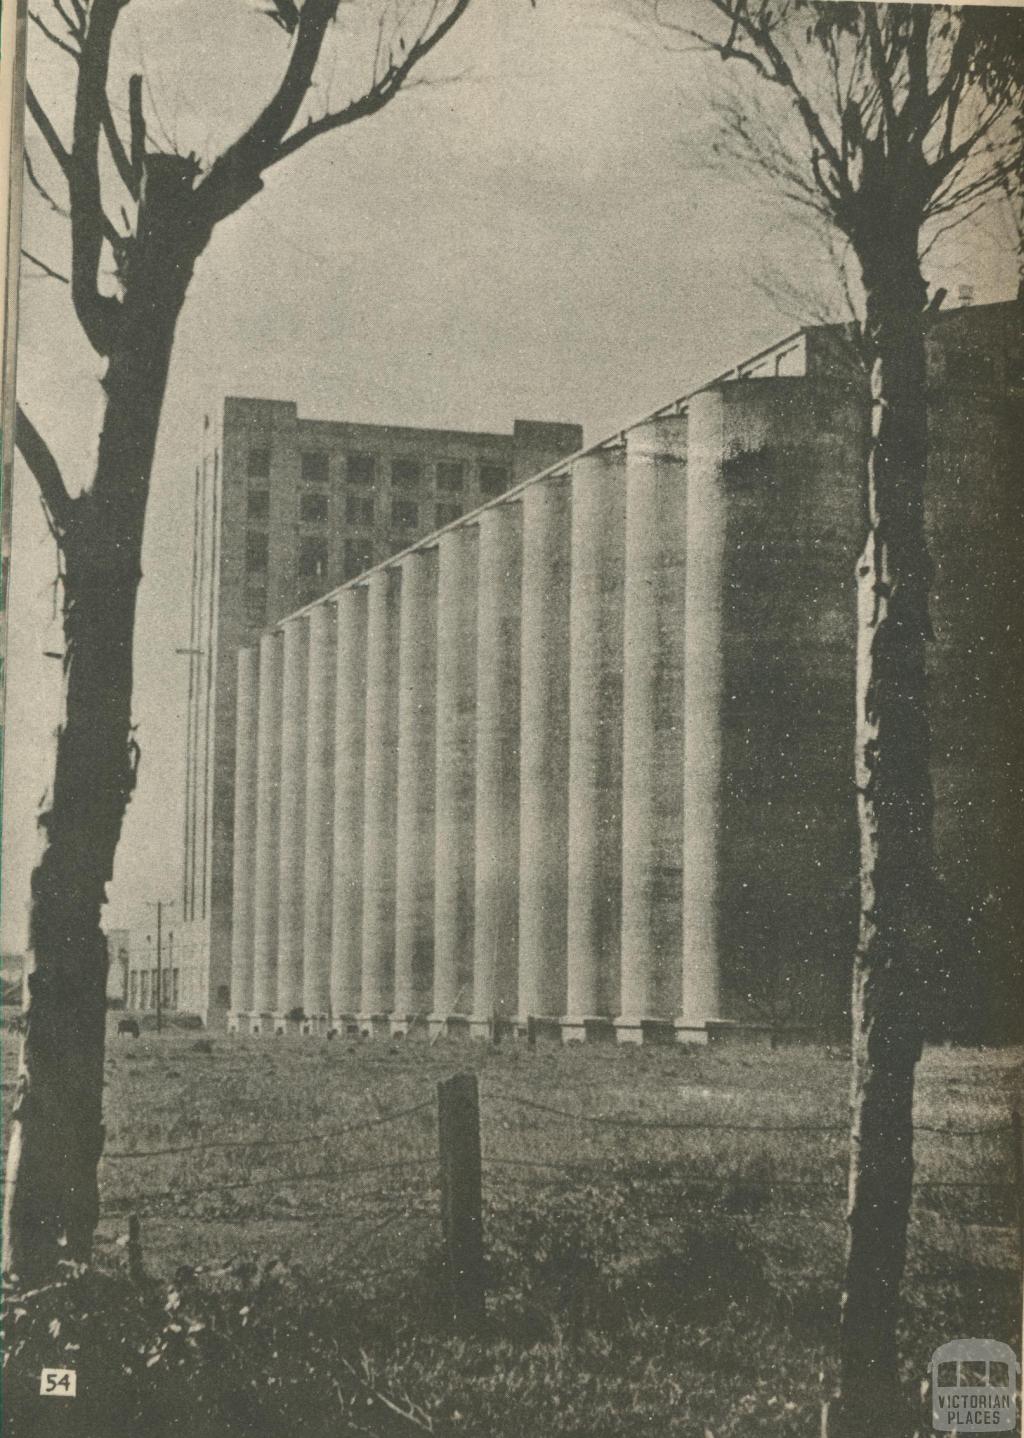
point(57, 1382)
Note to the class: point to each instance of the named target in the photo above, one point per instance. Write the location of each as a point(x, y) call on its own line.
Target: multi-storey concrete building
point(585, 756)
point(286, 509)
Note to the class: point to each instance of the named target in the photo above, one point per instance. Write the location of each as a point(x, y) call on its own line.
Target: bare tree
point(167, 206)
point(905, 118)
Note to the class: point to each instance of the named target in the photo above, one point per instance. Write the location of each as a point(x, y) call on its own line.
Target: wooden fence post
point(136, 1267)
point(458, 1132)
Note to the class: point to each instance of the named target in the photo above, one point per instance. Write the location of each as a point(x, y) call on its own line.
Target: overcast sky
point(541, 235)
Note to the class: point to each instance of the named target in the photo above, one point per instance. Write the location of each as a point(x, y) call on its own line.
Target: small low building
point(171, 969)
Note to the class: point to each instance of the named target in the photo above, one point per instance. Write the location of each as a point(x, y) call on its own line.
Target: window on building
point(313, 508)
point(256, 606)
point(133, 990)
point(361, 468)
point(494, 480)
point(154, 988)
point(447, 514)
point(314, 466)
point(359, 509)
point(450, 475)
point(144, 989)
point(175, 989)
point(406, 473)
point(358, 557)
point(165, 987)
point(405, 514)
point(259, 463)
point(257, 550)
point(313, 558)
point(258, 507)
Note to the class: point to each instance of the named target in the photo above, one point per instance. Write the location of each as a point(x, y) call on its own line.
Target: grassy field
point(664, 1228)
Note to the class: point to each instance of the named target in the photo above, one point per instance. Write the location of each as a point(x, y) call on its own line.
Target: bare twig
point(236, 174)
point(98, 314)
point(47, 129)
point(137, 127)
point(383, 90)
point(47, 270)
point(118, 152)
point(41, 189)
point(54, 39)
point(75, 24)
point(392, 1417)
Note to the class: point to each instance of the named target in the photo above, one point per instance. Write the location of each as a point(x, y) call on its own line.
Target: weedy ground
point(663, 1229)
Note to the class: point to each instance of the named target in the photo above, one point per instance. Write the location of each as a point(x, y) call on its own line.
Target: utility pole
point(159, 967)
point(194, 656)
point(160, 905)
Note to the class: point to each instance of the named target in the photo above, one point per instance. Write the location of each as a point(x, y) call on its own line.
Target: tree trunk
point(52, 1199)
point(895, 804)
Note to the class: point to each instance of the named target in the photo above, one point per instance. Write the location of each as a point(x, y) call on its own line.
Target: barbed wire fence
point(459, 1164)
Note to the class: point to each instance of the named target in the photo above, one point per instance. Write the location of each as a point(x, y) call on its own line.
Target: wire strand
point(203, 1147)
point(708, 1125)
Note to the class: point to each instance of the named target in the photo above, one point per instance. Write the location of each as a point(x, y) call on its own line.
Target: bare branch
point(98, 314)
point(949, 199)
point(952, 108)
point(41, 189)
point(39, 458)
point(47, 270)
point(962, 214)
point(379, 47)
point(137, 129)
point(284, 13)
point(54, 39)
point(47, 129)
point(762, 53)
point(75, 23)
point(382, 91)
point(165, 134)
point(751, 138)
point(917, 60)
point(727, 50)
point(883, 72)
point(118, 152)
point(948, 162)
point(781, 73)
point(235, 175)
point(63, 158)
point(955, 67)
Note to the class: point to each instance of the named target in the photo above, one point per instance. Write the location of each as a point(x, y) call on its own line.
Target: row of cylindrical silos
point(464, 783)
point(585, 756)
